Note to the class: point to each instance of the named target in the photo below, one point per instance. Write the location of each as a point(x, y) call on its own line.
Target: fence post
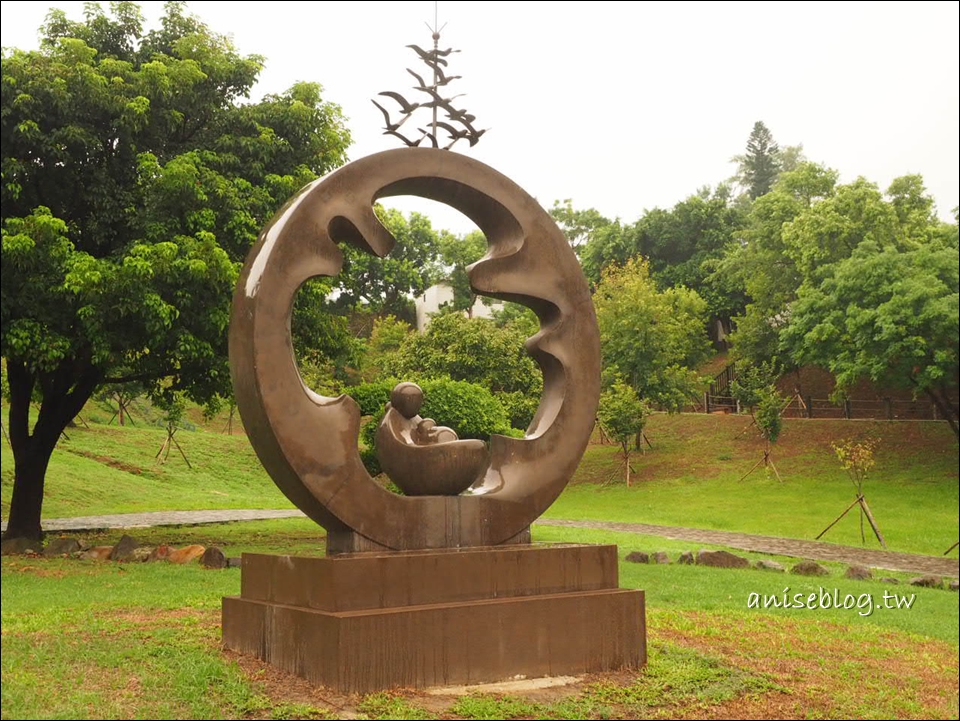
point(809, 402)
point(846, 409)
point(889, 405)
point(706, 402)
point(934, 407)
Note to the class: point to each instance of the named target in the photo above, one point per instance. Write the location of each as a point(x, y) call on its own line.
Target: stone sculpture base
point(368, 622)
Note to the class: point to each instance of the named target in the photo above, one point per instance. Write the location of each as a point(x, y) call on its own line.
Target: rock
point(637, 557)
point(809, 568)
point(186, 554)
point(765, 565)
point(887, 579)
point(97, 553)
point(213, 558)
point(234, 562)
point(954, 585)
point(721, 559)
point(124, 549)
point(160, 553)
point(15, 546)
point(61, 547)
point(686, 558)
point(84, 545)
point(858, 573)
point(660, 557)
point(142, 553)
point(927, 581)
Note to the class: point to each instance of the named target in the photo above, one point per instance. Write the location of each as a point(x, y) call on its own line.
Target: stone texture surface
point(809, 568)
point(660, 557)
point(16, 546)
point(858, 573)
point(97, 553)
point(927, 582)
point(637, 557)
point(124, 549)
point(160, 553)
point(686, 558)
point(213, 558)
point(186, 554)
point(888, 579)
point(61, 547)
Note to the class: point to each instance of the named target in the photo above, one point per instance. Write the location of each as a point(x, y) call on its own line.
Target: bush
point(520, 408)
point(372, 397)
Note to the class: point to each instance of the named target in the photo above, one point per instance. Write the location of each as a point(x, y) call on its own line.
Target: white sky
point(624, 106)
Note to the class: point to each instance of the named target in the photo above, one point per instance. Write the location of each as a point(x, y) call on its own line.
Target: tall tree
point(134, 180)
point(761, 162)
point(654, 339)
point(457, 254)
point(385, 285)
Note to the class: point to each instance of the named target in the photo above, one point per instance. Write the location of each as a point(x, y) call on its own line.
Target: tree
point(653, 338)
point(622, 416)
point(761, 163)
point(887, 314)
point(457, 254)
point(133, 183)
point(385, 285)
point(579, 226)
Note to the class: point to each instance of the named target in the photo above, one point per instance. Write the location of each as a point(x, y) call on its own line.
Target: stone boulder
point(721, 559)
point(809, 568)
point(927, 582)
point(124, 549)
point(954, 585)
point(660, 557)
point(234, 562)
point(61, 547)
point(686, 558)
point(637, 557)
point(16, 546)
point(186, 554)
point(142, 553)
point(213, 558)
point(97, 553)
point(160, 553)
point(887, 579)
point(767, 565)
point(858, 573)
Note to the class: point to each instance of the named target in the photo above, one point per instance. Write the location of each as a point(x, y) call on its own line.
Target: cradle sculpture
point(446, 572)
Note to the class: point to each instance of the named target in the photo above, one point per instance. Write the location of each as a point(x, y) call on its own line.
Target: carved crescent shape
point(308, 443)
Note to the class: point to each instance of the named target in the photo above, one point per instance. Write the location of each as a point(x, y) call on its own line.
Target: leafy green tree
point(134, 181)
point(761, 163)
point(579, 226)
point(385, 285)
point(622, 415)
point(887, 314)
point(653, 338)
point(469, 349)
point(387, 337)
point(457, 254)
point(765, 268)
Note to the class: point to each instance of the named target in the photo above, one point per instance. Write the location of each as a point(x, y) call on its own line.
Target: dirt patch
point(107, 461)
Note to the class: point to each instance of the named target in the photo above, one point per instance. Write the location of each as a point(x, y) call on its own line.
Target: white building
point(436, 295)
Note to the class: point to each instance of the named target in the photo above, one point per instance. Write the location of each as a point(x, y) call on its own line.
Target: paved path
point(816, 550)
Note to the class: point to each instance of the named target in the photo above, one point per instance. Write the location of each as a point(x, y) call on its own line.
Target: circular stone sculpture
point(308, 443)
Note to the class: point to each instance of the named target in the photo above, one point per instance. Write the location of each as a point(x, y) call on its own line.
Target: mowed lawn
point(82, 639)
point(691, 477)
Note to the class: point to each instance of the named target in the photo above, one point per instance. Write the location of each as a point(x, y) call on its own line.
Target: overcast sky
point(623, 106)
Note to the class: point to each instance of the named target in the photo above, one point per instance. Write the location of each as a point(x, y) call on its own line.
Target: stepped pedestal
point(370, 621)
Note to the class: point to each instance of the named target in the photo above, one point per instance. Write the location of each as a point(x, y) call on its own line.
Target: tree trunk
point(64, 393)
point(942, 402)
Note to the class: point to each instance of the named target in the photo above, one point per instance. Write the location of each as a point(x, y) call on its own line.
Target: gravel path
point(816, 550)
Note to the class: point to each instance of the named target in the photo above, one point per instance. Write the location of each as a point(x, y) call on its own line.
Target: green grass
point(692, 479)
point(86, 639)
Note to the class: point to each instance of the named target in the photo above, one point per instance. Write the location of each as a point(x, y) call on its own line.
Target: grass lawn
point(88, 640)
point(103, 640)
point(692, 478)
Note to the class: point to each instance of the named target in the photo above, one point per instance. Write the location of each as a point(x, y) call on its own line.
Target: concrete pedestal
point(371, 621)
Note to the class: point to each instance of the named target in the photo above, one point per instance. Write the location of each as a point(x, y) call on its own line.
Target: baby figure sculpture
point(422, 458)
